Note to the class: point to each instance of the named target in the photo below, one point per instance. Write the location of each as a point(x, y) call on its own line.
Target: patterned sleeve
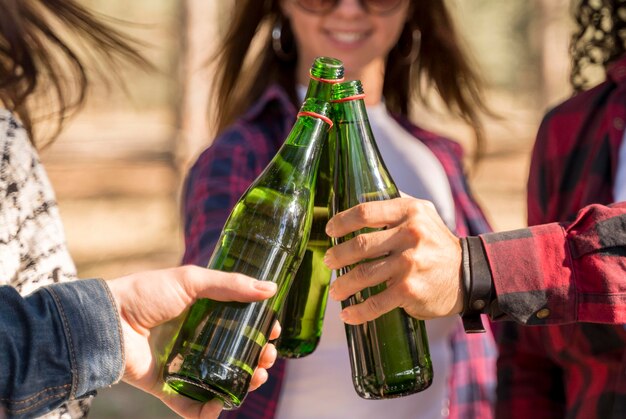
point(33, 249)
point(213, 186)
point(472, 382)
point(563, 273)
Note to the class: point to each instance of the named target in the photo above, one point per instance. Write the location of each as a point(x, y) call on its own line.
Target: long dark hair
point(599, 38)
point(441, 63)
point(40, 57)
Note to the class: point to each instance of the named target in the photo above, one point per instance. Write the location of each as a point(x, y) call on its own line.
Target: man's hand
point(148, 299)
point(416, 255)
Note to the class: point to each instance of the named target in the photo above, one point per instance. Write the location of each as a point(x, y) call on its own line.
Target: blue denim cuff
point(93, 333)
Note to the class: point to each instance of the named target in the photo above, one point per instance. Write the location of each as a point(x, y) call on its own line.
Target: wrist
point(461, 294)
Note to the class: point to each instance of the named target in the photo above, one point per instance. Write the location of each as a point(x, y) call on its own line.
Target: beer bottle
point(389, 356)
point(219, 344)
point(302, 316)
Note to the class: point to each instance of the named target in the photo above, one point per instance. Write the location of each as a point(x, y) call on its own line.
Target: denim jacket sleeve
point(61, 342)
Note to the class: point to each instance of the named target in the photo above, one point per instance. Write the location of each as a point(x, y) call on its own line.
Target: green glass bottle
point(302, 315)
point(219, 344)
point(389, 356)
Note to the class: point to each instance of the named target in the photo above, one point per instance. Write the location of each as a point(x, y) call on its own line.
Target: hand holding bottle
point(421, 267)
point(219, 345)
point(145, 303)
point(389, 356)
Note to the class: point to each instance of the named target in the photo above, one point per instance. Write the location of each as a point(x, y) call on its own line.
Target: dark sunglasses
point(321, 7)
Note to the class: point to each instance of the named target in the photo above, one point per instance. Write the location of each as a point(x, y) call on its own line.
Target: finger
point(208, 410)
point(268, 356)
point(226, 286)
point(211, 409)
point(275, 333)
point(374, 214)
point(363, 275)
point(364, 246)
point(372, 308)
point(259, 378)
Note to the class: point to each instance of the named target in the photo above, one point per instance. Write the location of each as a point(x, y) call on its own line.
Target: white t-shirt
point(320, 385)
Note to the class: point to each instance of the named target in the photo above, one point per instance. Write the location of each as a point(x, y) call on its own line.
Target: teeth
point(347, 36)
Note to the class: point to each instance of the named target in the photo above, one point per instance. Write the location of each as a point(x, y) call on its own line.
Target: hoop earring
point(277, 41)
point(409, 52)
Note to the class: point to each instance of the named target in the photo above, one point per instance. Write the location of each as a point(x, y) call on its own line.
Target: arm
point(66, 340)
point(557, 273)
point(574, 271)
point(51, 331)
point(33, 251)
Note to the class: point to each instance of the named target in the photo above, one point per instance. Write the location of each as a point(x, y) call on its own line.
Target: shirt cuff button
point(478, 304)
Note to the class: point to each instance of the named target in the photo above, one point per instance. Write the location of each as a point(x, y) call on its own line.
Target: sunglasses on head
point(320, 7)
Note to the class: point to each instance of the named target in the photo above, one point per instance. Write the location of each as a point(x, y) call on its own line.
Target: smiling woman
point(395, 47)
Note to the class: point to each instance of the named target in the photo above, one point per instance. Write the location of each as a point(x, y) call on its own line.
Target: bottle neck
point(308, 131)
point(360, 172)
point(319, 89)
point(303, 146)
point(293, 170)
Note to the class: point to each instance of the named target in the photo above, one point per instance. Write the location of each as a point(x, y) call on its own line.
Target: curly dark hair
point(44, 50)
point(599, 39)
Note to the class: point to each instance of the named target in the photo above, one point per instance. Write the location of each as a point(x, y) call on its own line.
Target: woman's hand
point(416, 255)
point(149, 299)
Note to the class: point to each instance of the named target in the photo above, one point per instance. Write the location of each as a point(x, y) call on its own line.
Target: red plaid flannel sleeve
point(558, 273)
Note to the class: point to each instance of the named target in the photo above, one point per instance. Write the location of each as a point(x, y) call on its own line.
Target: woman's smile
point(343, 38)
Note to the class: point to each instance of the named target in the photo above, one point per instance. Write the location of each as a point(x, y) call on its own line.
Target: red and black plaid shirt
point(569, 276)
point(225, 170)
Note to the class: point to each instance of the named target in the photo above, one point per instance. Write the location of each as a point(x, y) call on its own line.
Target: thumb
point(226, 286)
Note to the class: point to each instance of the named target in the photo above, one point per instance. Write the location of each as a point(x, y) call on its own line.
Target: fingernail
point(329, 228)
point(327, 260)
point(332, 293)
point(265, 285)
point(345, 316)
